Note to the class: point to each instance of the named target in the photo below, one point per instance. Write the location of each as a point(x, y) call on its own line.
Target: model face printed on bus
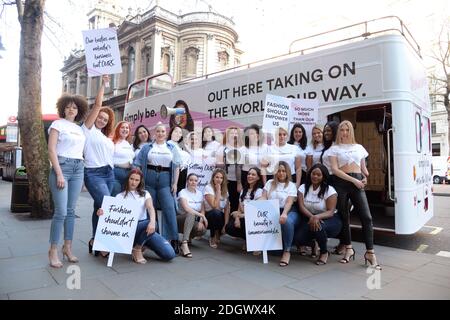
point(281, 173)
point(316, 177)
point(282, 137)
point(70, 111)
point(133, 181)
point(160, 133)
point(142, 134)
point(317, 135)
point(102, 120)
point(298, 134)
point(176, 134)
point(181, 120)
point(124, 130)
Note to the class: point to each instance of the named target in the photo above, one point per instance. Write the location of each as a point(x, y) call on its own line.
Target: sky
point(265, 27)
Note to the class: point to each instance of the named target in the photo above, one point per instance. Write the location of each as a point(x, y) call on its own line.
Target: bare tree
point(440, 77)
point(31, 18)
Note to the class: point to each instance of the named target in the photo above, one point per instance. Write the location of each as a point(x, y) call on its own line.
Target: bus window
point(136, 91)
point(426, 135)
point(418, 133)
point(158, 84)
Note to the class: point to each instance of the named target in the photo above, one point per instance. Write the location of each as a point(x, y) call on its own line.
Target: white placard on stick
point(262, 225)
point(102, 52)
point(276, 113)
point(117, 225)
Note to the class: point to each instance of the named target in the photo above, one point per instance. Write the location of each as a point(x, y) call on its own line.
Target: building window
point(191, 57)
point(223, 59)
point(131, 65)
point(148, 64)
point(166, 62)
point(436, 149)
point(433, 128)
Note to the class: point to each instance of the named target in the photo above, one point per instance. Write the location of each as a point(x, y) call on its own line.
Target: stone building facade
point(185, 45)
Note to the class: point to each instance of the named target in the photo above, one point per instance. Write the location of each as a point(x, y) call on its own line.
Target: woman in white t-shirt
point(317, 202)
point(123, 156)
point(252, 190)
point(65, 148)
point(98, 155)
point(191, 220)
point(217, 206)
point(209, 142)
point(348, 162)
point(299, 138)
point(146, 235)
point(314, 150)
point(141, 136)
point(254, 152)
point(283, 151)
point(283, 189)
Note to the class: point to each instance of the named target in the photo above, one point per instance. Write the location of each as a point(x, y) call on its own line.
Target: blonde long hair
point(224, 185)
point(275, 180)
point(351, 131)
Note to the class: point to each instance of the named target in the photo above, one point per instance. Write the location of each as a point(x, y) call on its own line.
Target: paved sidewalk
point(223, 273)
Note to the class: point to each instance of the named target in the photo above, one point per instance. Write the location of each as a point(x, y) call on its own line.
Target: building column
point(138, 60)
point(211, 55)
point(156, 51)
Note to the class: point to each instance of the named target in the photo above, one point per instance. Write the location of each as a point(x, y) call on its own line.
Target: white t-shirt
point(312, 202)
point(71, 139)
point(253, 156)
point(98, 150)
point(223, 201)
point(326, 160)
point(348, 153)
point(133, 195)
point(286, 153)
point(184, 155)
point(258, 194)
point(160, 155)
point(230, 169)
point(138, 149)
point(211, 148)
point(314, 152)
point(123, 153)
point(303, 154)
point(194, 200)
point(281, 192)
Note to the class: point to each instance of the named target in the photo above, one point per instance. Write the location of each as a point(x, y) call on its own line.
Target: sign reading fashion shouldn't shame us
point(117, 225)
point(262, 225)
point(102, 52)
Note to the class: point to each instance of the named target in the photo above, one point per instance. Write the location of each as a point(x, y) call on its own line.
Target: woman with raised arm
point(146, 235)
point(123, 156)
point(348, 163)
point(217, 206)
point(159, 161)
point(98, 155)
point(65, 148)
point(281, 188)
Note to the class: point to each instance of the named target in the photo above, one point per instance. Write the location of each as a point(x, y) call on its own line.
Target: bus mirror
point(165, 112)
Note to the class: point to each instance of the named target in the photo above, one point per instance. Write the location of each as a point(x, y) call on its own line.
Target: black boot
point(176, 246)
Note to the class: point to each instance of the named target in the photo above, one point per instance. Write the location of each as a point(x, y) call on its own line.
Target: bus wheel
point(436, 180)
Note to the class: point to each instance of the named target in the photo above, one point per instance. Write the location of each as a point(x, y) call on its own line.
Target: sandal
point(285, 263)
point(212, 243)
point(346, 259)
point(302, 250)
point(321, 262)
point(141, 259)
point(339, 250)
point(185, 252)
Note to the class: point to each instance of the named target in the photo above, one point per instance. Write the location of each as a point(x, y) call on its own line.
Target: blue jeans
point(65, 199)
point(158, 184)
point(288, 228)
point(154, 241)
point(120, 178)
point(330, 229)
point(99, 182)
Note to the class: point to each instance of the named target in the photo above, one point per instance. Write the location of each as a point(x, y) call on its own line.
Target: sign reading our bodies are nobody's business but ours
point(262, 225)
point(117, 225)
point(102, 52)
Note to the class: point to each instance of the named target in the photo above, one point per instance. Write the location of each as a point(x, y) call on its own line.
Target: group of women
point(313, 182)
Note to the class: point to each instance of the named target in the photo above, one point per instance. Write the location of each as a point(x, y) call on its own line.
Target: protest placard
point(262, 225)
point(117, 226)
point(102, 53)
point(203, 168)
point(276, 113)
point(304, 111)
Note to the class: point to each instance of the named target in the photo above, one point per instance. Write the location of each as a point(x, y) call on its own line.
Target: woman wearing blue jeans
point(98, 156)
point(159, 161)
point(65, 147)
point(146, 235)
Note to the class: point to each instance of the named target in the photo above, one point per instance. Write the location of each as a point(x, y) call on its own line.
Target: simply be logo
point(374, 280)
point(74, 280)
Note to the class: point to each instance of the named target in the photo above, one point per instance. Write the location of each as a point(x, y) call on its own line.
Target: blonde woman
point(281, 188)
point(217, 205)
point(314, 150)
point(348, 163)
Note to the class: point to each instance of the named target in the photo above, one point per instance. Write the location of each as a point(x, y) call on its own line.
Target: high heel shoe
point(321, 262)
point(373, 262)
point(185, 252)
point(90, 244)
point(139, 260)
point(346, 259)
point(70, 258)
point(54, 264)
